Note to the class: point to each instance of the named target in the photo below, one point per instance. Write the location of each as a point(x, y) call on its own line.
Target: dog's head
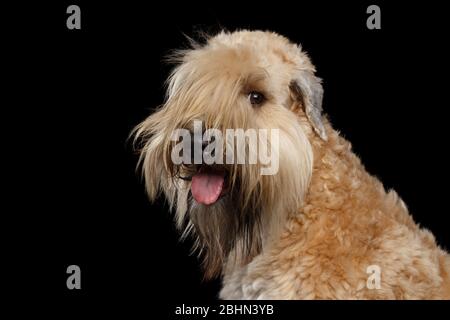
point(255, 88)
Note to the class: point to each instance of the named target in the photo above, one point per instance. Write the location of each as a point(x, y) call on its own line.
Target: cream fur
point(309, 232)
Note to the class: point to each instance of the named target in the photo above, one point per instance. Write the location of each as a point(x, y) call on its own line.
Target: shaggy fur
point(311, 230)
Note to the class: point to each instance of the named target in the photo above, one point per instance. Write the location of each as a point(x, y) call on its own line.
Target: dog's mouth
point(208, 185)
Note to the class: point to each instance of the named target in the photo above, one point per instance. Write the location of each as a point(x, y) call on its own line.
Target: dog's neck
point(335, 190)
point(334, 193)
point(335, 185)
point(336, 178)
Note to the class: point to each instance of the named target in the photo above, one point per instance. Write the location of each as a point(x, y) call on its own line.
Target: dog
point(321, 227)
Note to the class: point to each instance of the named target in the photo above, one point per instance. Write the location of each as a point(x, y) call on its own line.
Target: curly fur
point(308, 232)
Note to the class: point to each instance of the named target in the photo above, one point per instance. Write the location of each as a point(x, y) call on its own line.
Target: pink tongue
point(207, 186)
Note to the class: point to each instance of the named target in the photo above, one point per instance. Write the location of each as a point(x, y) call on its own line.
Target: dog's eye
point(256, 98)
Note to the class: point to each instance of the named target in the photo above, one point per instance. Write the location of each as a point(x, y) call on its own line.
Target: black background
point(78, 93)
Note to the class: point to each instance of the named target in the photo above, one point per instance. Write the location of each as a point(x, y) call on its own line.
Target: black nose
point(196, 142)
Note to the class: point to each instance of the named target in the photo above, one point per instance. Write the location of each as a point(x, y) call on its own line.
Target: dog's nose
point(198, 145)
point(201, 142)
point(212, 153)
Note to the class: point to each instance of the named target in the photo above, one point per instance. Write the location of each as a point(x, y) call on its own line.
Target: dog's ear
point(307, 89)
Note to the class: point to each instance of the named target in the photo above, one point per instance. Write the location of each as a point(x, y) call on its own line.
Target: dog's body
point(347, 224)
point(315, 230)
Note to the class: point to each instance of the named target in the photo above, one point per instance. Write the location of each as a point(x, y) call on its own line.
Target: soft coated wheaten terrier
point(317, 227)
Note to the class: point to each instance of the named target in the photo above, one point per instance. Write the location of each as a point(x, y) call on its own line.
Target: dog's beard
point(241, 223)
point(225, 227)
